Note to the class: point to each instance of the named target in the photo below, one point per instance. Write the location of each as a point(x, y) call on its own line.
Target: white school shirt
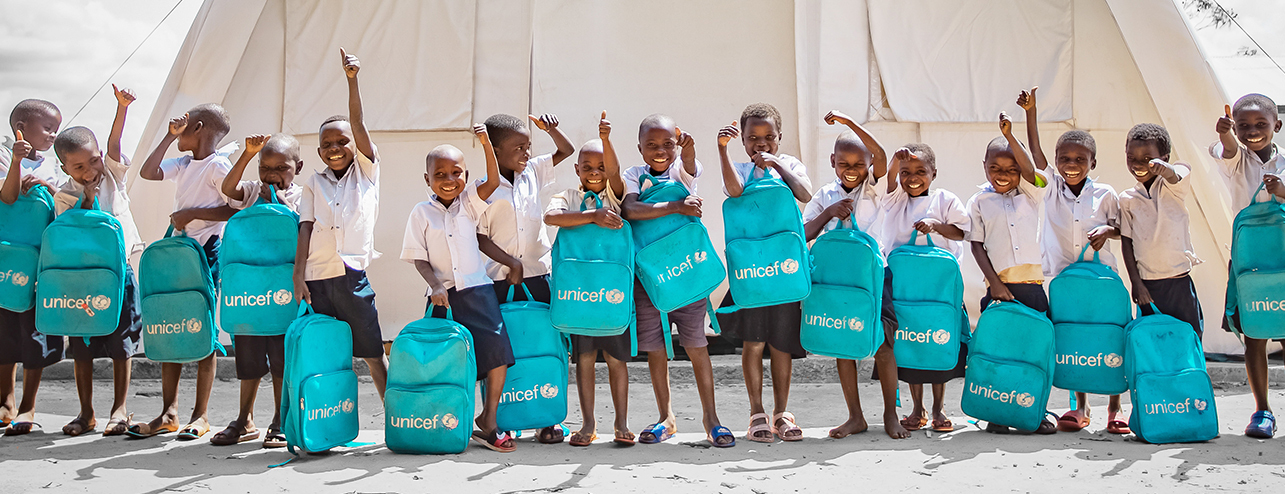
point(515, 222)
point(446, 237)
point(1157, 221)
point(46, 168)
point(675, 172)
point(343, 212)
point(571, 199)
point(199, 185)
point(796, 168)
point(1244, 172)
point(1008, 225)
point(866, 210)
point(901, 212)
point(112, 198)
point(252, 188)
point(1068, 219)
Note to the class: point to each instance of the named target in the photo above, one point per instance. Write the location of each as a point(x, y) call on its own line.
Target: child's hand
point(301, 290)
point(837, 117)
point(181, 218)
point(999, 291)
point(1141, 295)
point(903, 155)
point(92, 188)
point(254, 143)
point(840, 210)
point(1272, 183)
point(479, 130)
point(604, 126)
point(178, 125)
point(727, 133)
point(768, 160)
point(1098, 236)
point(691, 206)
point(1026, 99)
point(21, 148)
point(607, 218)
point(685, 141)
point(123, 96)
point(927, 225)
point(31, 181)
point(351, 64)
point(1224, 122)
point(439, 298)
point(1005, 124)
point(1158, 167)
point(546, 122)
point(515, 273)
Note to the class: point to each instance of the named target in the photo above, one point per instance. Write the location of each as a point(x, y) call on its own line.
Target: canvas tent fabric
point(432, 68)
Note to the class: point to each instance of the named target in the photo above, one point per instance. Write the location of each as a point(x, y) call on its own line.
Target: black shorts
point(618, 346)
point(20, 343)
point(349, 298)
point(1029, 294)
point(477, 310)
point(258, 355)
point(123, 343)
point(1177, 297)
point(776, 325)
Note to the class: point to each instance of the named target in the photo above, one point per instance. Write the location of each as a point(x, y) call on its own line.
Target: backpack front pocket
point(1261, 304)
point(78, 302)
point(18, 265)
point(680, 268)
point(768, 271)
point(328, 410)
point(1090, 358)
point(534, 394)
point(928, 335)
point(1177, 407)
point(257, 300)
point(841, 322)
point(428, 419)
point(177, 327)
point(591, 297)
point(1008, 393)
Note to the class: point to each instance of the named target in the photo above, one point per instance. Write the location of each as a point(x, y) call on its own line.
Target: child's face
point(278, 169)
point(84, 165)
point(337, 147)
point(1074, 162)
point(40, 130)
point(190, 139)
point(446, 177)
point(1255, 126)
point(659, 147)
point(851, 164)
point(514, 150)
point(760, 136)
point(1002, 170)
point(592, 171)
point(916, 177)
point(1138, 156)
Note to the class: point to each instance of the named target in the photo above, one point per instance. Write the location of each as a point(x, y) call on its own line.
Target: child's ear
point(428, 179)
point(1278, 125)
point(1093, 163)
point(831, 160)
point(298, 165)
point(196, 127)
point(1165, 158)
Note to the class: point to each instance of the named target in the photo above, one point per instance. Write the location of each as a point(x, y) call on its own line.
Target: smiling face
point(337, 147)
point(83, 164)
point(1074, 162)
point(658, 146)
point(1138, 156)
point(760, 136)
point(446, 174)
point(1255, 126)
point(40, 128)
point(277, 168)
point(1002, 170)
point(513, 151)
point(851, 163)
point(591, 169)
point(916, 177)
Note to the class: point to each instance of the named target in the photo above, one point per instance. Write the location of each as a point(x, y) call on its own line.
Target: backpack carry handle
point(596, 199)
point(304, 309)
point(1085, 250)
point(428, 313)
point(1253, 199)
point(272, 194)
point(1154, 310)
point(524, 290)
point(915, 233)
point(852, 225)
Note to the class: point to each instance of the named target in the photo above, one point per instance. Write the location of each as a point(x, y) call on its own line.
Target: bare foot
point(7, 413)
point(79, 425)
point(855, 425)
point(893, 427)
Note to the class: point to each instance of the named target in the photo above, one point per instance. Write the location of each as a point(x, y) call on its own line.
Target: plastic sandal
point(754, 430)
point(495, 441)
point(274, 439)
point(659, 433)
point(1072, 421)
point(581, 439)
point(24, 428)
point(135, 431)
point(553, 434)
point(943, 426)
point(1262, 425)
point(1115, 426)
point(624, 438)
point(911, 424)
point(191, 432)
point(790, 426)
point(719, 433)
point(234, 434)
point(117, 427)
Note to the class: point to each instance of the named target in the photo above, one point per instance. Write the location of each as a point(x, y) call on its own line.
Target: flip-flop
point(495, 441)
point(274, 439)
point(234, 434)
point(1117, 426)
point(720, 432)
point(943, 426)
point(190, 432)
point(113, 426)
point(554, 433)
point(752, 432)
point(624, 440)
point(581, 439)
point(84, 427)
point(790, 426)
point(1072, 421)
point(1046, 426)
point(135, 431)
point(911, 424)
point(21, 428)
point(1262, 425)
point(659, 433)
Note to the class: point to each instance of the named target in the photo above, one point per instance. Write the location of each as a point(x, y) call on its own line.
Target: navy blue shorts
point(211, 249)
point(1029, 294)
point(478, 311)
point(258, 355)
point(125, 341)
point(21, 343)
point(349, 298)
point(1177, 297)
point(537, 285)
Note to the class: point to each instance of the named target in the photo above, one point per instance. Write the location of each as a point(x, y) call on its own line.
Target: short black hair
point(763, 111)
point(29, 108)
point(212, 117)
point(849, 139)
point(442, 151)
point(1149, 132)
point(502, 125)
point(1079, 137)
point(1255, 99)
point(283, 144)
point(924, 153)
point(332, 119)
point(74, 139)
point(654, 121)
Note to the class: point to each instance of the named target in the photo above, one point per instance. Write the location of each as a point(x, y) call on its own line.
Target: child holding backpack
point(777, 326)
point(1247, 158)
point(599, 173)
point(256, 356)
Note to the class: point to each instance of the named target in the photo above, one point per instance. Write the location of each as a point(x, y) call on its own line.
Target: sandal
point(499, 441)
point(1046, 428)
point(191, 432)
point(117, 427)
point(1262, 425)
point(656, 433)
point(912, 424)
point(76, 427)
point(1115, 426)
point(790, 431)
point(943, 426)
point(234, 434)
point(551, 435)
point(23, 428)
point(624, 438)
point(754, 430)
point(720, 432)
point(581, 439)
point(136, 431)
point(994, 428)
point(1072, 421)
point(274, 438)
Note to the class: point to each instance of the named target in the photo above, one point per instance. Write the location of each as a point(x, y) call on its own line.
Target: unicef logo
point(1200, 405)
point(856, 324)
point(789, 266)
point(449, 421)
point(193, 325)
point(282, 297)
point(1112, 360)
point(101, 302)
point(941, 337)
point(615, 296)
point(347, 406)
point(1025, 400)
point(549, 391)
point(20, 279)
point(701, 256)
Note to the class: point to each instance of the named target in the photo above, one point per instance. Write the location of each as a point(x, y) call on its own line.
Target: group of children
point(475, 239)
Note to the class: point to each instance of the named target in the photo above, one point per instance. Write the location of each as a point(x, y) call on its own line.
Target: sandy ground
point(967, 460)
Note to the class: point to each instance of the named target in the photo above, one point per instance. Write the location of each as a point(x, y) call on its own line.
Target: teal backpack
point(535, 387)
point(257, 266)
point(319, 389)
point(928, 297)
point(767, 254)
point(675, 261)
point(592, 284)
point(429, 402)
point(176, 293)
point(1010, 367)
point(841, 317)
point(82, 274)
point(1256, 285)
point(21, 226)
point(1172, 396)
point(1089, 307)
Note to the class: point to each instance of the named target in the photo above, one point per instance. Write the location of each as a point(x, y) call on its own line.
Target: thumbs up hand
point(726, 134)
point(604, 127)
point(1224, 122)
point(1026, 99)
point(21, 149)
point(351, 64)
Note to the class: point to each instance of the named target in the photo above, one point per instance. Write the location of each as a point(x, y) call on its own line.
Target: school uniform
point(1008, 226)
point(199, 184)
point(514, 220)
point(46, 167)
point(1243, 173)
point(777, 325)
point(446, 238)
point(343, 211)
point(113, 197)
point(1156, 219)
point(1069, 218)
point(617, 346)
point(690, 318)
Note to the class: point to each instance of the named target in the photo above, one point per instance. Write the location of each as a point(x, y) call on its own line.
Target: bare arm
point(437, 290)
point(151, 169)
point(123, 98)
point(492, 182)
point(1019, 151)
point(840, 209)
point(1225, 135)
point(603, 217)
point(731, 181)
point(801, 193)
point(12, 187)
point(637, 210)
point(493, 251)
point(253, 144)
point(688, 153)
point(878, 155)
point(549, 123)
point(997, 288)
point(609, 159)
point(1026, 100)
point(1141, 295)
point(356, 117)
point(301, 261)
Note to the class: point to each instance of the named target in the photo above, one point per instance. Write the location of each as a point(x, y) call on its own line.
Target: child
point(337, 212)
point(1249, 158)
point(660, 142)
point(859, 161)
point(599, 173)
point(513, 217)
point(39, 120)
point(201, 211)
point(777, 326)
point(1005, 231)
point(279, 161)
point(442, 242)
point(912, 204)
point(1077, 210)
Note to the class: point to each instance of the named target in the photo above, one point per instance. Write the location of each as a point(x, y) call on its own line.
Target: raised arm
point(253, 144)
point(1026, 100)
point(609, 159)
point(898, 160)
point(549, 123)
point(688, 154)
point(151, 169)
point(1019, 151)
point(731, 181)
point(492, 182)
point(1225, 135)
point(12, 187)
point(123, 98)
point(355, 116)
point(879, 157)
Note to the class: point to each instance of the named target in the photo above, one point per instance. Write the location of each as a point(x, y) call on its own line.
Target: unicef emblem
point(347, 406)
point(282, 297)
point(101, 302)
point(941, 337)
point(1113, 360)
point(789, 266)
point(549, 391)
point(20, 279)
point(701, 256)
point(450, 422)
point(856, 324)
point(193, 325)
point(1200, 405)
point(1025, 400)
point(615, 296)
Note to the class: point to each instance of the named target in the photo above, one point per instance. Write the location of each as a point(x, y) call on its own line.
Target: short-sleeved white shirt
point(113, 197)
point(199, 185)
point(46, 168)
point(1157, 221)
point(675, 172)
point(1069, 218)
point(515, 222)
point(343, 212)
point(252, 188)
point(866, 210)
point(1244, 172)
point(1008, 225)
point(446, 237)
point(572, 199)
point(795, 167)
point(901, 212)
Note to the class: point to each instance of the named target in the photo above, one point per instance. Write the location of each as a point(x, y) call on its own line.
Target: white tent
point(934, 71)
